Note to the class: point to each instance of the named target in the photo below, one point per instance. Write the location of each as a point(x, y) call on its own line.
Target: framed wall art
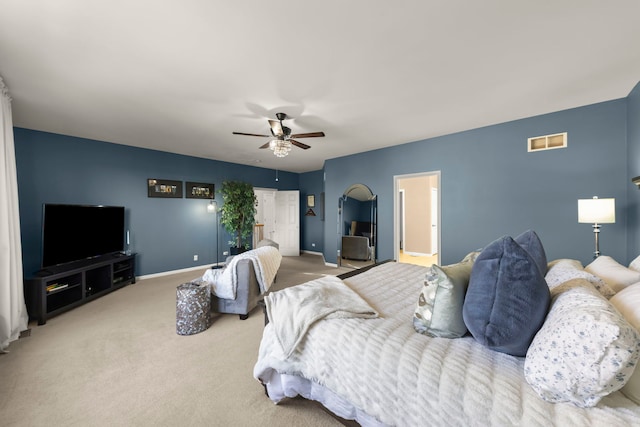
point(199, 190)
point(164, 188)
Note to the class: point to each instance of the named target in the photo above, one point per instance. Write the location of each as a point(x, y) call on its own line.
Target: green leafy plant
point(238, 211)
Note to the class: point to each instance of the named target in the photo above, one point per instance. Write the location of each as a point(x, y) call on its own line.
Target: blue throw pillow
point(530, 242)
point(507, 298)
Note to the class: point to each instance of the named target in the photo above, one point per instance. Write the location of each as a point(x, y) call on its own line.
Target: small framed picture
point(164, 188)
point(199, 190)
point(311, 201)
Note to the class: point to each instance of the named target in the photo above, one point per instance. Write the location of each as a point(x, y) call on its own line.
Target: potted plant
point(237, 214)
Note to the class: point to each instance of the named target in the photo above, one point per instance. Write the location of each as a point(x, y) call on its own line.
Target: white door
point(269, 214)
point(287, 233)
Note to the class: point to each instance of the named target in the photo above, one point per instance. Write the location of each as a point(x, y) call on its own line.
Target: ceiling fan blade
point(265, 145)
point(299, 144)
point(249, 134)
point(308, 135)
point(276, 128)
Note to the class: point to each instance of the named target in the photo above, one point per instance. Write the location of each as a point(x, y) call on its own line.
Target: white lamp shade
point(597, 211)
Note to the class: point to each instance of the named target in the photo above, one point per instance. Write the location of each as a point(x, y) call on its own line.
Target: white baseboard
point(328, 264)
point(168, 273)
point(312, 253)
point(200, 267)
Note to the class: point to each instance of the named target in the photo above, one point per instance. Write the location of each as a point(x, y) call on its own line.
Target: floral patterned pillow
point(584, 351)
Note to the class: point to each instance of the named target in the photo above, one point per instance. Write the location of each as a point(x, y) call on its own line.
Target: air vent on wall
point(547, 142)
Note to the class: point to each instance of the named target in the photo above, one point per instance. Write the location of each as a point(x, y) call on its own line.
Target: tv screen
point(77, 232)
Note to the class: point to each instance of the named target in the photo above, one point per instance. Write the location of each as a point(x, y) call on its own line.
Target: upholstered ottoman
point(193, 308)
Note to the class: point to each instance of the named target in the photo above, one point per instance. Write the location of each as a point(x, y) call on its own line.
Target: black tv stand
point(43, 272)
point(55, 290)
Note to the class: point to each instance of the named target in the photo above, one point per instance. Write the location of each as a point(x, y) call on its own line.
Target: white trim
point(550, 142)
point(403, 219)
point(312, 253)
point(205, 266)
point(396, 220)
point(168, 273)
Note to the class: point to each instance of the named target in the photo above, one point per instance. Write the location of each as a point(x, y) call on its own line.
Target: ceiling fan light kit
point(283, 142)
point(280, 147)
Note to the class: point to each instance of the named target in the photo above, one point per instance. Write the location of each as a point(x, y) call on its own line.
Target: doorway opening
point(278, 219)
point(417, 218)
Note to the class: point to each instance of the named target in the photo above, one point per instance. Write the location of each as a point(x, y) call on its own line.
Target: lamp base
point(596, 233)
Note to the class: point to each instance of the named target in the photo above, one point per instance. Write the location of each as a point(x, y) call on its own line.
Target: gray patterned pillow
point(585, 349)
point(439, 309)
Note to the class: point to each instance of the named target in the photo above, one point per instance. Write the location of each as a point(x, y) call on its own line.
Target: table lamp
point(597, 211)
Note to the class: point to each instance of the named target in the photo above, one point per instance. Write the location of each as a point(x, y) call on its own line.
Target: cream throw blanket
point(292, 311)
point(266, 262)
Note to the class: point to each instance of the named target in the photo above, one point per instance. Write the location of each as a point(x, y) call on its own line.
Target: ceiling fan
point(282, 137)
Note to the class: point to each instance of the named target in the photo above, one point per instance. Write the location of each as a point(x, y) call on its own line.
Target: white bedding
point(224, 282)
point(292, 311)
point(381, 372)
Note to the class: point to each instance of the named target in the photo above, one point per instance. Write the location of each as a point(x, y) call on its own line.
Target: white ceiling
point(181, 76)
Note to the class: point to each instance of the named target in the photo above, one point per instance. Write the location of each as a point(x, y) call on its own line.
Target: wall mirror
point(357, 227)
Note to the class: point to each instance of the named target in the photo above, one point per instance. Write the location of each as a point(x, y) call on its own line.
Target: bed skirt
point(282, 386)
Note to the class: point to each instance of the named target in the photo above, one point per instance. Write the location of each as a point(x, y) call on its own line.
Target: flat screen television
point(77, 232)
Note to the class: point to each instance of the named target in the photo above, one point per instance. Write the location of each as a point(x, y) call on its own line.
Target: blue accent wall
point(491, 186)
point(311, 227)
point(166, 233)
point(633, 164)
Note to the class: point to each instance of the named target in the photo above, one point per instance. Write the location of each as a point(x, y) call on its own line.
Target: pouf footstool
point(193, 308)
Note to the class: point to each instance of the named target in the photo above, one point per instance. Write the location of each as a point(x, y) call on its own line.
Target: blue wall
point(311, 227)
point(633, 164)
point(491, 186)
point(166, 233)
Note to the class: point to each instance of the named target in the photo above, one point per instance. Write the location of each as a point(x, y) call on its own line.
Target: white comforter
point(391, 375)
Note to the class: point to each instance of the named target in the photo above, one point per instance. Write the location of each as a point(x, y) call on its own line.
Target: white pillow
point(616, 275)
point(572, 263)
point(635, 264)
point(563, 270)
point(627, 301)
point(585, 349)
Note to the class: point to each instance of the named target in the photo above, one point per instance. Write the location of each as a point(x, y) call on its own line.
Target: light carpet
point(118, 361)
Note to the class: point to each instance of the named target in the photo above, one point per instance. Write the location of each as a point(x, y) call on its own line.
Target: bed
point(381, 372)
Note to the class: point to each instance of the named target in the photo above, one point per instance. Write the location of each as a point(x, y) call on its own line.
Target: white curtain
point(13, 311)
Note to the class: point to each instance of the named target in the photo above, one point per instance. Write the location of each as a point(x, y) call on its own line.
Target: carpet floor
point(118, 361)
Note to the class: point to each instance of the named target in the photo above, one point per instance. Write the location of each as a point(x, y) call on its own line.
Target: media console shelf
point(62, 288)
